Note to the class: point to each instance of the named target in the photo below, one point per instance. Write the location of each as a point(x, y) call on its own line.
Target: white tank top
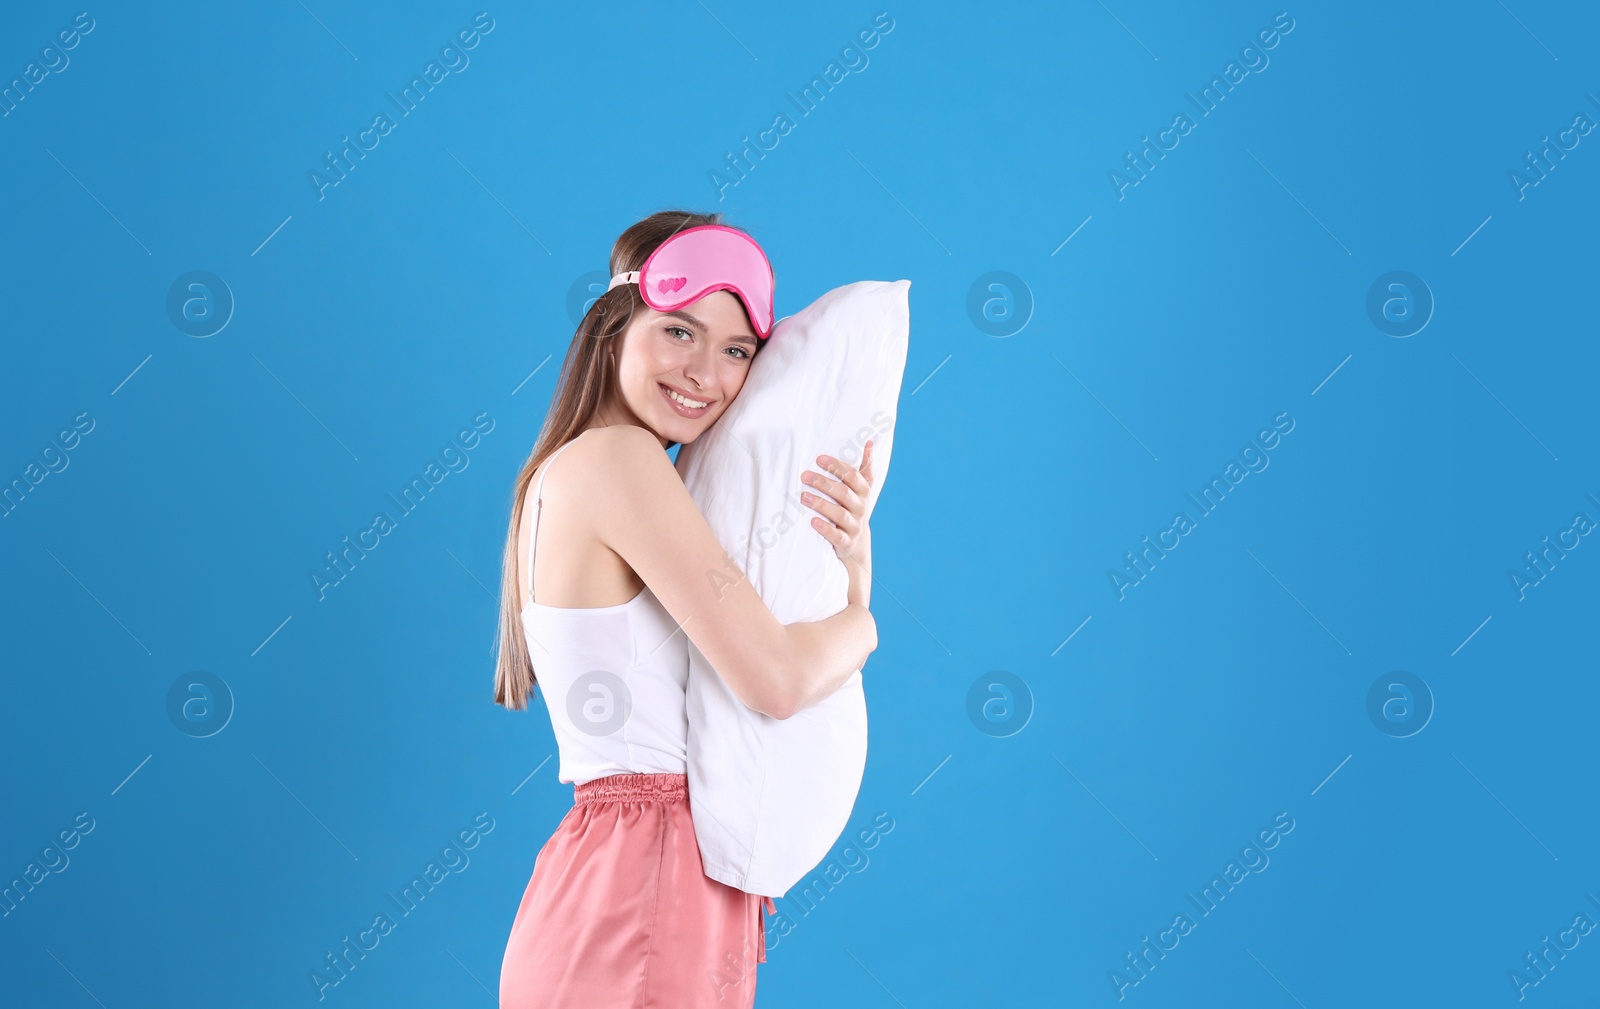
point(613, 678)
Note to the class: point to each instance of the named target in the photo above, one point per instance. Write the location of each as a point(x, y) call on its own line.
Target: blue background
point(1036, 841)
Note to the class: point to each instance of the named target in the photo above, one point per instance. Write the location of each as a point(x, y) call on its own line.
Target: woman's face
point(701, 352)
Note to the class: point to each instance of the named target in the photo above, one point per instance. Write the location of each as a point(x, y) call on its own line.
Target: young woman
point(609, 566)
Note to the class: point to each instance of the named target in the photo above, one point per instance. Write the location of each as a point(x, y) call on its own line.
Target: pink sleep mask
point(697, 261)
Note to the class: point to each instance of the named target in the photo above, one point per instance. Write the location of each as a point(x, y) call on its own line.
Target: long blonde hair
point(587, 375)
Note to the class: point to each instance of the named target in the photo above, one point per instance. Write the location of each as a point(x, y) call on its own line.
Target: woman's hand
point(842, 521)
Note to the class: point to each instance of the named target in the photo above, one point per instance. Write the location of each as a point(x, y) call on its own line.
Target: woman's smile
point(678, 404)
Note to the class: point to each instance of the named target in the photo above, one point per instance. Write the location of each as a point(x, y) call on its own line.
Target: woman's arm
point(842, 525)
point(851, 634)
point(640, 508)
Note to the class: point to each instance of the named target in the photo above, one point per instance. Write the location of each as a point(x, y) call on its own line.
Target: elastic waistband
point(633, 788)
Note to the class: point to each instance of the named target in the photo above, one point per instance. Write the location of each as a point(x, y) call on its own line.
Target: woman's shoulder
point(615, 437)
point(599, 448)
point(613, 478)
point(602, 459)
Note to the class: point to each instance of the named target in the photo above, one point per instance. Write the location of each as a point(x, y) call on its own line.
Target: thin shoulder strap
point(538, 505)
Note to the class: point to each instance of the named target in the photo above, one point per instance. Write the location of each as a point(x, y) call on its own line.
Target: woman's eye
point(743, 355)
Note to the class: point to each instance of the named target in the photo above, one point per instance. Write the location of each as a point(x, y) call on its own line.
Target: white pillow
point(770, 796)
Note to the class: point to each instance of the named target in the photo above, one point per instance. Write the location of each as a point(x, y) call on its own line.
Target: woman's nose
point(701, 368)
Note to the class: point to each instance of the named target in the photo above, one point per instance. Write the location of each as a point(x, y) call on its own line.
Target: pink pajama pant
point(620, 913)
